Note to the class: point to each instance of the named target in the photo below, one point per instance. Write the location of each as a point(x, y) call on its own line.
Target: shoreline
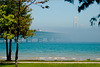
point(53, 58)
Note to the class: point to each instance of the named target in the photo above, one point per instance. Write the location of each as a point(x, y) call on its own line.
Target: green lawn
point(49, 65)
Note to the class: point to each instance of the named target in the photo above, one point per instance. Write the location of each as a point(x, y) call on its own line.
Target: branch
point(28, 5)
point(36, 4)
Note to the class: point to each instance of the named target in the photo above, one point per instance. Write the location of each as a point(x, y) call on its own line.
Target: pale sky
point(61, 15)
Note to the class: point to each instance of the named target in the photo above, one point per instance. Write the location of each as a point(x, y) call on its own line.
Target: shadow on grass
point(4, 64)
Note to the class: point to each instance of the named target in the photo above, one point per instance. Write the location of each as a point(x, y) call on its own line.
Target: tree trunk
point(6, 49)
point(16, 56)
point(10, 46)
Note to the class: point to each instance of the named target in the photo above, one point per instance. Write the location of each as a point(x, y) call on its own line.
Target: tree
point(85, 4)
point(7, 23)
point(92, 20)
point(10, 6)
point(95, 19)
point(21, 25)
point(19, 18)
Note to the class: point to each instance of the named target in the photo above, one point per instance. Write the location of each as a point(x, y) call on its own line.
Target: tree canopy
point(84, 3)
point(7, 23)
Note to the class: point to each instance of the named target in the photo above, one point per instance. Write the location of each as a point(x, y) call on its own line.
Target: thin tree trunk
point(16, 56)
point(10, 46)
point(6, 49)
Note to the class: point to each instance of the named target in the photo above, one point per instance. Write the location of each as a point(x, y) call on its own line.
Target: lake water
point(57, 46)
point(54, 51)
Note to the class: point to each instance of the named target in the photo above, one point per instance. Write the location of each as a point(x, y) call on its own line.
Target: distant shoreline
point(54, 59)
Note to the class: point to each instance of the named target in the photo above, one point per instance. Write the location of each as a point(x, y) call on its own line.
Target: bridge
point(22, 40)
point(41, 37)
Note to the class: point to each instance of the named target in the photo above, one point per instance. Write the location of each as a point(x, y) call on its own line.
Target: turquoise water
point(57, 46)
point(54, 51)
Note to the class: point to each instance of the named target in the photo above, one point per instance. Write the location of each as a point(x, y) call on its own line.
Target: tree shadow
point(4, 64)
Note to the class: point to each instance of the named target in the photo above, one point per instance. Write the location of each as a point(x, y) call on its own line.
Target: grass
point(49, 65)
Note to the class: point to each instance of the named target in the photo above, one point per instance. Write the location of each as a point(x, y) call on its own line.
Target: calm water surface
point(54, 51)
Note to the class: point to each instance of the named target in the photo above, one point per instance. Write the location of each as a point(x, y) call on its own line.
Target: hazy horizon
point(77, 34)
point(61, 15)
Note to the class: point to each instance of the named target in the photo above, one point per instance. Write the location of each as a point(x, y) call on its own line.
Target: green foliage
point(8, 35)
point(7, 23)
point(9, 20)
point(25, 22)
point(3, 9)
point(88, 59)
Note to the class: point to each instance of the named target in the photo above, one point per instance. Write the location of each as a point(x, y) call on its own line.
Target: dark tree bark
point(7, 50)
point(10, 46)
point(16, 55)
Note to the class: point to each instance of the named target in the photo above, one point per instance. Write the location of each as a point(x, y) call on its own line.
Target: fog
point(79, 34)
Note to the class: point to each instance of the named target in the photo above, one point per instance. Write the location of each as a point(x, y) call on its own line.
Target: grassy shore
point(49, 65)
point(7, 64)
